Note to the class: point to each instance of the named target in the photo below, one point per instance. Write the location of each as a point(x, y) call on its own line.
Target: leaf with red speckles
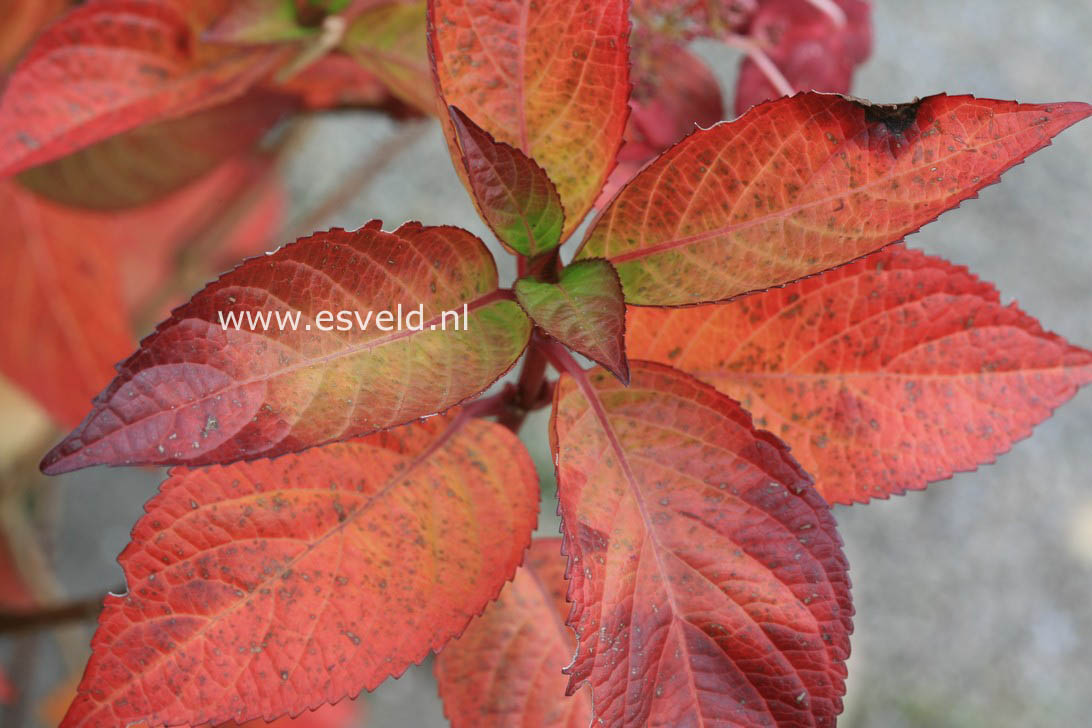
point(65, 325)
point(883, 376)
point(707, 575)
point(152, 161)
point(804, 184)
point(512, 193)
point(505, 670)
point(584, 310)
point(113, 65)
point(262, 589)
point(550, 79)
point(811, 50)
point(201, 390)
point(22, 20)
point(388, 40)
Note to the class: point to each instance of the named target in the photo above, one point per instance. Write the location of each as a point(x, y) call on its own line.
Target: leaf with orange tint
point(65, 324)
point(804, 184)
point(707, 575)
point(550, 79)
point(883, 376)
point(22, 20)
point(388, 40)
point(505, 670)
point(584, 310)
point(268, 588)
point(512, 193)
point(152, 161)
point(111, 66)
point(201, 390)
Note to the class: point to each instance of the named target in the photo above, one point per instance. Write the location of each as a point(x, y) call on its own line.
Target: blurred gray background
point(974, 598)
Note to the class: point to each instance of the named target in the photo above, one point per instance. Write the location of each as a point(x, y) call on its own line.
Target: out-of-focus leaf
point(804, 184)
point(338, 80)
point(505, 670)
point(584, 310)
point(550, 79)
point(706, 573)
point(260, 21)
point(263, 589)
point(150, 162)
point(674, 93)
point(201, 390)
point(883, 376)
point(113, 65)
point(388, 40)
point(512, 193)
point(65, 324)
point(810, 50)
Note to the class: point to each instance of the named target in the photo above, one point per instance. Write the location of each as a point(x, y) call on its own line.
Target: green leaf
point(585, 311)
point(514, 195)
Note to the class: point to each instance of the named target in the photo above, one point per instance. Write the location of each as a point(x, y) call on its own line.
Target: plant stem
point(51, 616)
point(530, 391)
point(764, 62)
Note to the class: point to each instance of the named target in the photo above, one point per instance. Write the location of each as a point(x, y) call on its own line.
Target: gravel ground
point(972, 597)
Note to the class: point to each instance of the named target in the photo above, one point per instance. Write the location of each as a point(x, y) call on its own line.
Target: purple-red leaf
point(883, 376)
point(512, 193)
point(387, 327)
point(707, 575)
point(110, 66)
point(550, 79)
point(505, 670)
point(804, 184)
point(584, 310)
point(262, 589)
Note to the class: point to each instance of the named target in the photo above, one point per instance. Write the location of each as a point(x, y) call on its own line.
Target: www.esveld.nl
point(385, 320)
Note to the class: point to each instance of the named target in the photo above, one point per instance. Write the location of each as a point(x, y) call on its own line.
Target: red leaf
point(707, 574)
point(584, 310)
point(260, 589)
point(152, 161)
point(505, 670)
point(810, 50)
point(512, 193)
point(800, 185)
point(66, 324)
point(22, 20)
point(871, 413)
point(110, 66)
point(199, 392)
point(550, 79)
